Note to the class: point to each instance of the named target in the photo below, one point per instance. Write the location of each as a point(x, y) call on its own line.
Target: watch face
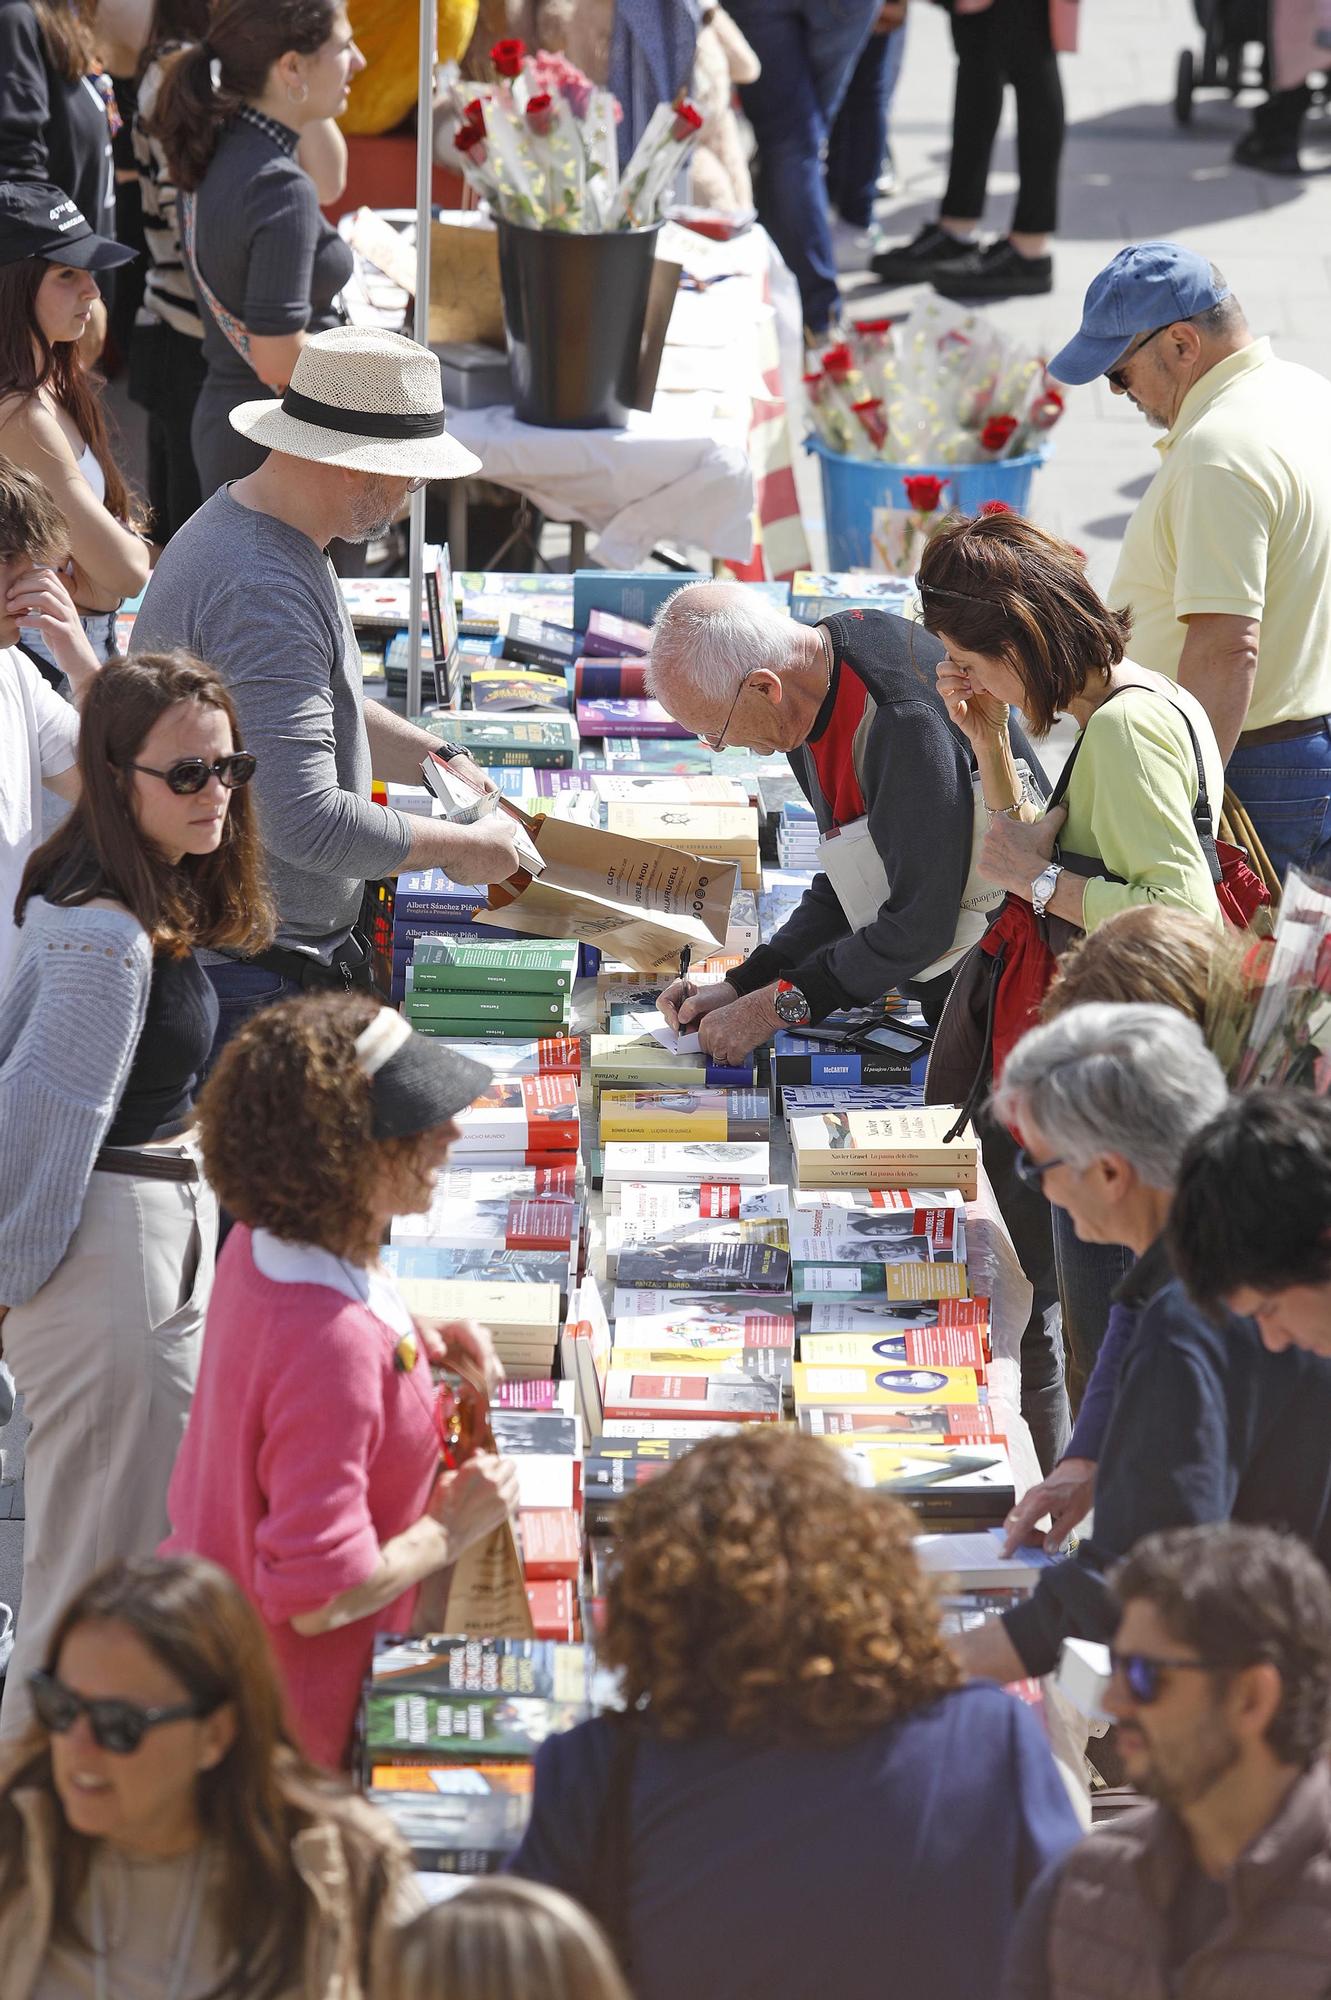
point(792, 1008)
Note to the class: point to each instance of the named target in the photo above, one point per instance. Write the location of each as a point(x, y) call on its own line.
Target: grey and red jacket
point(882, 745)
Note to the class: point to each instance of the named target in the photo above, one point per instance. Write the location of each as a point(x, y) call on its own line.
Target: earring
point(298, 96)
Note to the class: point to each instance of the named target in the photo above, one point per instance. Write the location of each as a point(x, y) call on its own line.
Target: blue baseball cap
point(1146, 286)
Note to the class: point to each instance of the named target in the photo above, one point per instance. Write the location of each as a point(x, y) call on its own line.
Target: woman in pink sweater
point(311, 1463)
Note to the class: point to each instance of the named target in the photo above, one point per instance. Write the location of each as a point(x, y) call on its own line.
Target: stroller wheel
point(1183, 88)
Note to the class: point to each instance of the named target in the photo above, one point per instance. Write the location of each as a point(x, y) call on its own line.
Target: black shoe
point(1254, 151)
point(931, 249)
point(998, 272)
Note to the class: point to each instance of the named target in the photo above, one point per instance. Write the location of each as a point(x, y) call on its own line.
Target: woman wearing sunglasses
point(107, 1228)
point(159, 1833)
point(311, 1466)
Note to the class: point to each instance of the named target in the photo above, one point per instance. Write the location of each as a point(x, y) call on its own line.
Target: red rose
point(924, 490)
point(507, 55)
point(1322, 969)
point(997, 433)
point(838, 361)
point(540, 113)
point(870, 414)
point(469, 137)
point(872, 325)
point(688, 119)
point(475, 113)
point(995, 507)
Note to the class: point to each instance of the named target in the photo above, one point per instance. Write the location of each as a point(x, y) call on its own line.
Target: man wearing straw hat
point(247, 585)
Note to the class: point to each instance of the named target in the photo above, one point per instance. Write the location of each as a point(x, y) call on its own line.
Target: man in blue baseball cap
point(1226, 563)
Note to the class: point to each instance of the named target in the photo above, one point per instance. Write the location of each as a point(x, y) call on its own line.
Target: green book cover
point(546, 967)
point(546, 742)
point(544, 1015)
point(488, 1028)
point(465, 1726)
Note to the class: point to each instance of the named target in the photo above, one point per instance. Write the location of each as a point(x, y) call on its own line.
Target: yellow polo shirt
point(1238, 520)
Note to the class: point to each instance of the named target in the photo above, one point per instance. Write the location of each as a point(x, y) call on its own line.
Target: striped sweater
point(70, 1020)
point(881, 746)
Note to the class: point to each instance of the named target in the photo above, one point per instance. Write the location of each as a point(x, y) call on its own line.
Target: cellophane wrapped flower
point(538, 143)
point(1269, 1005)
point(953, 390)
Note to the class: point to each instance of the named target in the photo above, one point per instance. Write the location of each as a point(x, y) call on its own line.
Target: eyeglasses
point(117, 1726)
point(1115, 376)
point(1144, 1675)
point(718, 742)
point(191, 774)
point(1031, 1172)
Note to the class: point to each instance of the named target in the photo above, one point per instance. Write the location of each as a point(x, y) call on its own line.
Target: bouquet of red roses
point(538, 144)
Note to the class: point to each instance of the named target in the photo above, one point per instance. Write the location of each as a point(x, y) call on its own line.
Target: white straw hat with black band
point(367, 400)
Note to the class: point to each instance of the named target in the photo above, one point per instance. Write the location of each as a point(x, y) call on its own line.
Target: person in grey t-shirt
point(246, 585)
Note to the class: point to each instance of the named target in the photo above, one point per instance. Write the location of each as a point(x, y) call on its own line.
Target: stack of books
point(449, 1732)
point(797, 837)
point(885, 1149)
point(723, 833)
point(518, 989)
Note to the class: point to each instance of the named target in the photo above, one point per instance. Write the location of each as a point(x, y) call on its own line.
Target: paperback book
point(951, 1485)
point(522, 1111)
point(549, 741)
point(877, 1315)
point(882, 1386)
point(598, 680)
point(720, 1161)
point(916, 1347)
point(693, 1117)
point(635, 716)
point(709, 1267)
point(615, 638)
point(721, 1399)
point(885, 1148)
point(526, 965)
point(894, 1282)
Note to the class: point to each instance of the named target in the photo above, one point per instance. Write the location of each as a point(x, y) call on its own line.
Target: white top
point(39, 739)
point(306, 1264)
point(92, 472)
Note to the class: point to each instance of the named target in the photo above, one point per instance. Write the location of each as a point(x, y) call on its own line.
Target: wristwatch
point(792, 1009)
point(1042, 888)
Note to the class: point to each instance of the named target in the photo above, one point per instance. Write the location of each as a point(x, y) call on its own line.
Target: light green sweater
point(1130, 804)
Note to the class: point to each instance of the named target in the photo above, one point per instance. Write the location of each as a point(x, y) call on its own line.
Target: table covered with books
point(708, 467)
point(663, 1246)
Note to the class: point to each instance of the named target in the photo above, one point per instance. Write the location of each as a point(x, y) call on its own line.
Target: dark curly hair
point(759, 1592)
point(285, 1123)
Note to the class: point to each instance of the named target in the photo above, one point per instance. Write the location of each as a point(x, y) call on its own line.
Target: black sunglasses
point(191, 774)
point(1031, 1172)
point(1115, 376)
point(117, 1726)
point(1144, 1675)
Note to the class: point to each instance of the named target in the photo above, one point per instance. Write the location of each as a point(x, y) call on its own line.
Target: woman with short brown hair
point(800, 1786)
point(107, 1227)
point(159, 1831)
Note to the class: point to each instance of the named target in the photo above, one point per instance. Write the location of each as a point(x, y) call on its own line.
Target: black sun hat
point(37, 220)
point(414, 1082)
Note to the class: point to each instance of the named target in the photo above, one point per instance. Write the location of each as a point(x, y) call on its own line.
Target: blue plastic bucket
point(853, 487)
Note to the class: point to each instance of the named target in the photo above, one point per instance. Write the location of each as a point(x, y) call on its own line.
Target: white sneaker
point(852, 247)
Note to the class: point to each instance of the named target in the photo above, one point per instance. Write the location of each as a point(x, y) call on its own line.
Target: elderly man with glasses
point(1221, 1691)
point(1226, 563)
point(853, 704)
point(1186, 1418)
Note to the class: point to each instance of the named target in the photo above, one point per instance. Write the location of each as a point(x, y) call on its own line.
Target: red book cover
point(541, 1222)
point(559, 1055)
point(720, 1199)
point(553, 1606)
point(539, 1112)
point(534, 1395)
point(551, 1539)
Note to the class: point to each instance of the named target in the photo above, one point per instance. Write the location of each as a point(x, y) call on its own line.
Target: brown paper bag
point(486, 1592)
point(464, 284)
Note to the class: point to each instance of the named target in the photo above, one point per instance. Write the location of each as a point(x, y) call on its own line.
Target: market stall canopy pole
point(421, 326)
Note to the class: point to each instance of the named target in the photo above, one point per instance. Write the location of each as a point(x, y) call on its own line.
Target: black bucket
point(574, 308)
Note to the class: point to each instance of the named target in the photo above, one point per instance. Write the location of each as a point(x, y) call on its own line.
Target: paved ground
point(1129, 173)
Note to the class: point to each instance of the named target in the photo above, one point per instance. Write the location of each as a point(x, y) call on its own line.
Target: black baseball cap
point(37, 220)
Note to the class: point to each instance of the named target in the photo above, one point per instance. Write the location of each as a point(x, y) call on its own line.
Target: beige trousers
point(106, 1356)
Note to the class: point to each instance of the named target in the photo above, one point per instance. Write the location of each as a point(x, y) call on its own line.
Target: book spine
point(611, 680)
point(535, 980)
point(441, 1005)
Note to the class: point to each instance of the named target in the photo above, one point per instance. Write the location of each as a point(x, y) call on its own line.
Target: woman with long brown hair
point(159, 1831)
point(231, 113)
point(800, 1788)
point(107, 1229)
point(51, 419)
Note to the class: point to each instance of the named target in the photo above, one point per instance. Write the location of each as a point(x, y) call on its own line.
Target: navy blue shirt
point(893, 1865)
point(1206, 1426)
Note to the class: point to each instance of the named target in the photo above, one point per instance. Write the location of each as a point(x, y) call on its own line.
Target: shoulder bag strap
point(232, 327)
point(610, 1872)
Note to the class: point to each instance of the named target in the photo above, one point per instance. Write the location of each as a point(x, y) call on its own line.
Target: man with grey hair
point(1202, 1423)
point(853, 704)
point(1226, 563)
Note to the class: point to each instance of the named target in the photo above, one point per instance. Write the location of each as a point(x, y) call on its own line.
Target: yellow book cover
point(893, 1385)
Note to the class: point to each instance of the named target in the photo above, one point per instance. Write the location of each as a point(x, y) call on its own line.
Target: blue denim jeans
point(859, 142)
point(1287, 790)
point(242, 990)
point(1087, 1275)
point(808, 49)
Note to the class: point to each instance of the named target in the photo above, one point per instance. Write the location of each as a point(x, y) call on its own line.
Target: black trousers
point(166, 373)
point(1007, 44)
